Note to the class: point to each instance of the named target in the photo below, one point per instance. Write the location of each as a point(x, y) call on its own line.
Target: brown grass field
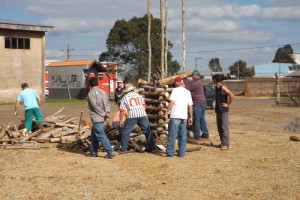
point(262, 163)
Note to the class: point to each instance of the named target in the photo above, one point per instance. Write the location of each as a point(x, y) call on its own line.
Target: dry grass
point(262, 163)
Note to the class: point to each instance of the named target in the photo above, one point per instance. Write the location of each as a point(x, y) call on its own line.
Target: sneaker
point(110, 155)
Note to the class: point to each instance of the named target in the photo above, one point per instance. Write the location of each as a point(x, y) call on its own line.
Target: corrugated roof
point(71, 62)
point(294, 74)
point(8, 24)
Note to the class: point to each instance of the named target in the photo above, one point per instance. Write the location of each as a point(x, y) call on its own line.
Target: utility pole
point(183, 38)
point(196, 62)
point(166, 36)
point(238, 74)
point(149, 40)
point(162, 53)
point(68, 49)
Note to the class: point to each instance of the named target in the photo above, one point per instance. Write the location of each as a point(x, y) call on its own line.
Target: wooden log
point(56, 113)
point(2, 133)
point(66, 125)
point(64, 133)
point(163, 121)
point(35, 134)
point(54, 140)
point(161, 113)
point(48, 133)
point(54, 119)
point(134, 145)
point(143, 82)
point(154, 126)
point(159, 89)
point(41, 140)
point(148, 87)
point(68, 139)
point(150, 116)
point(295, 138)
point(150, 108)
point(147, 100)
point(164, 93)
point(85, 135)
point(170, 80)
point(141, 90)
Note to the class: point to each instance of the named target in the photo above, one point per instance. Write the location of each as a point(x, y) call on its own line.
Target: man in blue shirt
point(31, 101)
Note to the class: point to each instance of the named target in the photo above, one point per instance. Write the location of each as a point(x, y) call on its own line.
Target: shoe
point(92, 155)
point(110, 155)
point(224, 148)
point(152, 150)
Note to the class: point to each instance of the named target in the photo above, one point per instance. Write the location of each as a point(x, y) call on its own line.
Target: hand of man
point(107, 115)
point(166, 116)
point(16, 113)
point(190, 121)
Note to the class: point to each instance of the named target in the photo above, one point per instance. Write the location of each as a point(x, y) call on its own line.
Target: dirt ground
point(262, 163)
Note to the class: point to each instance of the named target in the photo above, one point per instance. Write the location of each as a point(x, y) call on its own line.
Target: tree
point(284, 55)
point(214, 65)
point(240, 70)
point(127, 45)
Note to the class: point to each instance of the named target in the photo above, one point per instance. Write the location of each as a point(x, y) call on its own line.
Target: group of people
point(187, 106)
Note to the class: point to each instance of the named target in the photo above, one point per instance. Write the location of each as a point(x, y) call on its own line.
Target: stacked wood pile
point(57, 128)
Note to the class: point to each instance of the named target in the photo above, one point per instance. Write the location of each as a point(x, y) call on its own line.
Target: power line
point(237, 49)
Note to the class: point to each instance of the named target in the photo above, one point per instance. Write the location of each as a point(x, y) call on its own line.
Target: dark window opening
point(14, 43)
point(7, 42)
point(17, 43)
point(20, 43)
point(27, 43)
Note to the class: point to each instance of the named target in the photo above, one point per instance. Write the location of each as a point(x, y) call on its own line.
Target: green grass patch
point(64, 100)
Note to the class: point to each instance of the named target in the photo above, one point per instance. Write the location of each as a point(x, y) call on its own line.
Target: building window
point(17, 43)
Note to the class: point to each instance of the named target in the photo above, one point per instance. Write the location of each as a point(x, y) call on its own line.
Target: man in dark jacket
point(119, 92)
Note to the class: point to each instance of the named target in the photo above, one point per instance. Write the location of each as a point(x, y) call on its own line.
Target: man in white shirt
point(181, 112)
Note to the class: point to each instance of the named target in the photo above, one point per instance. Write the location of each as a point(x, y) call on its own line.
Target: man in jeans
point(135, 106)
point(31, 101)
point(181, 109)
point(99, 110)
point(199, 106)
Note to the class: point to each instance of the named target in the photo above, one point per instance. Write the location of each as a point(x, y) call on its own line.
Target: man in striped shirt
point(135, 106)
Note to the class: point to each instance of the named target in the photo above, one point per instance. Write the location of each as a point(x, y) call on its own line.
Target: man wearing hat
point(199, 105)
point(135, 106)
point(119, 93)
point(181, 112)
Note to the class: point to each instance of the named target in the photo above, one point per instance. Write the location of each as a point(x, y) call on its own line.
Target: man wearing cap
point(135, 106)
point(119, 92)
point(181, 111)
point(199, 105)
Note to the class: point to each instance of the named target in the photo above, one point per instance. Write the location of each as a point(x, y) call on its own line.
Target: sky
point(230, 30)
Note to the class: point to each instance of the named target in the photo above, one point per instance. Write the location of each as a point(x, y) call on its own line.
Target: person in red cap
point(199, 106)
point(181, 113)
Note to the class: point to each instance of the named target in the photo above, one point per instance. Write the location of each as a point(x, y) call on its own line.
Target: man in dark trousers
point(199, 106)
point(99, 107)
point(119, 92)
point(224, 99)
